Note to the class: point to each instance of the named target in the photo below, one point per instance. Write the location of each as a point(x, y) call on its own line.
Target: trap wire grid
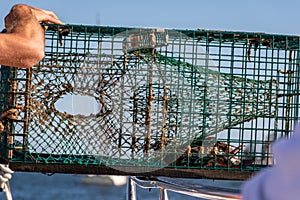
point(178, 103)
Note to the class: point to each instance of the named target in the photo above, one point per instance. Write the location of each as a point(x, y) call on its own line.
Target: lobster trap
point(151, 102)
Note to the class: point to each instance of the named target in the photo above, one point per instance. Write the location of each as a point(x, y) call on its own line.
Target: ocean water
point(37, 186)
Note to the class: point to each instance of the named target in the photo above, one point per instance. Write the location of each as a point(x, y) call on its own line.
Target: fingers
point(50, 14)
point(54, 21)
point(46, 16)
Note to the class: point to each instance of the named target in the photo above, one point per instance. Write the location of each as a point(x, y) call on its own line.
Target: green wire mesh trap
point(182, 103)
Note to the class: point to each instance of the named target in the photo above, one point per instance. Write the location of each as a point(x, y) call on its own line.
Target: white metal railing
point(182, 187)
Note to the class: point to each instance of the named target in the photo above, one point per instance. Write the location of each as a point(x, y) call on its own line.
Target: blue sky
point(270, 16)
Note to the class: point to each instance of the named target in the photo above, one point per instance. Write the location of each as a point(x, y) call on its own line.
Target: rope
point(5, 171)
point(6, 174)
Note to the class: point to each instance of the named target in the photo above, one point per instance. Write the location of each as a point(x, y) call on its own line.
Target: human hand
point(23, 45)
point(21, 12)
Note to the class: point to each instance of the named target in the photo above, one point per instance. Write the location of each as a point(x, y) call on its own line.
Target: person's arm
point(23, 44)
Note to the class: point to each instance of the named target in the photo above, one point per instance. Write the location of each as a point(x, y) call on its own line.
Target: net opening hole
point(76, 104)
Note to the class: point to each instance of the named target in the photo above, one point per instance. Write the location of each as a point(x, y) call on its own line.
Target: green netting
point(174, 99)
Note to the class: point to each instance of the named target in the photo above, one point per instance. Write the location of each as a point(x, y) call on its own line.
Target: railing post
point(163, 194)
point(131, 189)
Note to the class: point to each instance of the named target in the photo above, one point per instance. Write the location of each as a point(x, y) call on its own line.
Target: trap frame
point(177, 103)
